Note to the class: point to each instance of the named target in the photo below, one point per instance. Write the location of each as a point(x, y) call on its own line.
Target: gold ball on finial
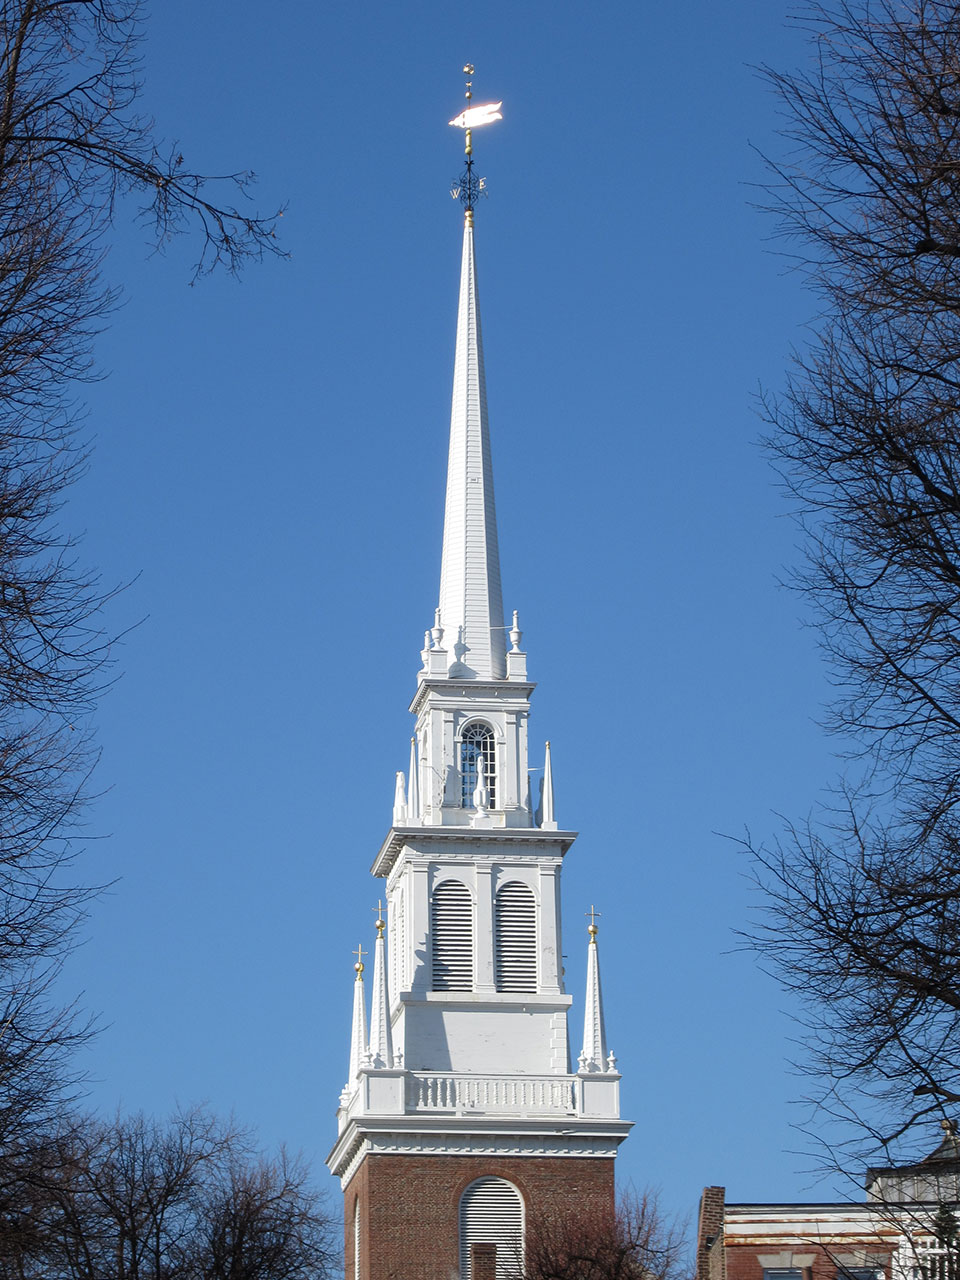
point(359, 967)
point(592, 930)
point(380, 926)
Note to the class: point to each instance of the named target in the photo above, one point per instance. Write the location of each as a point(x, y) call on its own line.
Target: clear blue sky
point(268, 475)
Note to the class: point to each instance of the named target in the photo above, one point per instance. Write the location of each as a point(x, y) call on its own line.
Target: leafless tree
point(863, 919)
point(637, 1242)
point(189, 1200)
point(73, 148)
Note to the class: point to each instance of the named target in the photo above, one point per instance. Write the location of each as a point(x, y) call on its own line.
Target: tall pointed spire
point(470, 594)
point(381, 1039)
point(594, 1055)
point(358, 1033)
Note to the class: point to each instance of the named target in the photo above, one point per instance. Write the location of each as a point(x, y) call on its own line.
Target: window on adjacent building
point(477, 744)
point(859, 1273)
point(491, 1213)
point(515, 928)
point(451, 927)
point(782, 1273)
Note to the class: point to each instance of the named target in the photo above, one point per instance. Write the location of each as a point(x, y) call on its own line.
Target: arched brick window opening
point(515, 930)
point(477, 744)
point(491, 1214)
point(451, 928)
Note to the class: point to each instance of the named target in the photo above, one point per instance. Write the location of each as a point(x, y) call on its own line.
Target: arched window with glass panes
point(478, 747)
point(515, 938)
point(491, 1214)
point(451, 929)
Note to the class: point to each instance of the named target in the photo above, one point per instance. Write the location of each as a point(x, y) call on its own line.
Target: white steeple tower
point(469, 1057)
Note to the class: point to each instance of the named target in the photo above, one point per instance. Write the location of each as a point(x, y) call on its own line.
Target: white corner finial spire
point(548, 822)
point(381, 1039)
point(594, 1055)
point(400, 801)
point(413, 785)
point(471, 603)
point(358, 1033)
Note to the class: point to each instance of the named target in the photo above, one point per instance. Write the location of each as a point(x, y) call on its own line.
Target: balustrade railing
point(450, 1092)
point(935, 1262)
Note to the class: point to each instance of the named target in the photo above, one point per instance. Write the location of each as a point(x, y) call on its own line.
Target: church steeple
point(463, 1101)
point(471, 603)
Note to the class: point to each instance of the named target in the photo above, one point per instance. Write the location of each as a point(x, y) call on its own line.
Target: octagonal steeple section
point(471, 601)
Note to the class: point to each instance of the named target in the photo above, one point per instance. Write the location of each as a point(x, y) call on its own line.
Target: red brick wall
point(743, 1262)
point(710, 1245)
point(409, 1205)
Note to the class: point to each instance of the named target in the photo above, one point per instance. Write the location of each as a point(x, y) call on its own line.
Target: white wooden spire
point(471, 604)
point(358, 1030)
point(381, 1040)
point(594, 1055)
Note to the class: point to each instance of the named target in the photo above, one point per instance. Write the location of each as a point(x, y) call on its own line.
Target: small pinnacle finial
point(380, 923)
point(359, 966)
point(592, 926)
point(436, 631)
point(516, 635)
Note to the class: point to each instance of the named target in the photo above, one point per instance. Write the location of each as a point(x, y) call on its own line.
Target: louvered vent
point(451, 924)
point(491, 1212)
point(516, 938)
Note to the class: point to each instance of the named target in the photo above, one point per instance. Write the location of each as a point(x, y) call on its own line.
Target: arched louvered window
point(356, 1240)
point(491, 1213)
point(515, 925)
point(451, 926)
point(478, 744)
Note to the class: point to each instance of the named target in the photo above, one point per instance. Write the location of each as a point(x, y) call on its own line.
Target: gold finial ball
point(592, 930)
point(359, 967)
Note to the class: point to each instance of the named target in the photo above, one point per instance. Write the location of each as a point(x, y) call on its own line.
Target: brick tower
point(461, 1120)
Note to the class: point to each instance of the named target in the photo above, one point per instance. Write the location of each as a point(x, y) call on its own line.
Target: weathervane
point(468, 188)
